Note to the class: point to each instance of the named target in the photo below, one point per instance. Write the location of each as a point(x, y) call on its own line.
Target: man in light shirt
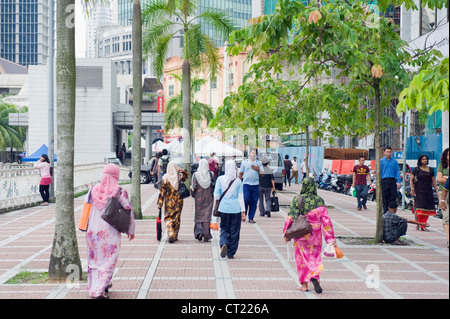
point(249, 174)
point(294, 170)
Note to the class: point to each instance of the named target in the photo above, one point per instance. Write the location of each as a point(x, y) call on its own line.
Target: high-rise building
point(24, 31)
point(239, 10)
point(100, 15)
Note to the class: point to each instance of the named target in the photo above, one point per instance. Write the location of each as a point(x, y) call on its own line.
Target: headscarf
point(108, 187)
point(225, 180)
point(171, 175)
point(310, 199)
point(203, 175)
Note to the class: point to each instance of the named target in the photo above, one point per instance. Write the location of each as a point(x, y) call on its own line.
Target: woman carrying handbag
point(103, 240)
point(308, 248)
point(229, 190)
point(169, 196)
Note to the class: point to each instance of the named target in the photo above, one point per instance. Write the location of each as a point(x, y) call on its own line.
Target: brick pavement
point(188, 269)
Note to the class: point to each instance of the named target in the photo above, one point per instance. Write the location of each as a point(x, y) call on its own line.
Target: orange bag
point(339, 253)
point(82, 225)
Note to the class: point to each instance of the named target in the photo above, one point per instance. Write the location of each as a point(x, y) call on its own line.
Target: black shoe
point(317, 287)
point(223, 251)
point(171, 240)
point(268, 213)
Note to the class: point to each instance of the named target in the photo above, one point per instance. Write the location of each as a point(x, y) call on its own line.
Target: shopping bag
point(213, 223)
point(353, 191)
point(158, 226)
point(329, 251)
point(274, 204)
point(339, 253)
point(84, 220)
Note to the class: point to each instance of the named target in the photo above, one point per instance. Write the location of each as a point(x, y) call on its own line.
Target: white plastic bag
point(329, 251)
point(288, 251)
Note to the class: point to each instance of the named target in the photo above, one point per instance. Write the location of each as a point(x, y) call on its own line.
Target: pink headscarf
point(108, 187)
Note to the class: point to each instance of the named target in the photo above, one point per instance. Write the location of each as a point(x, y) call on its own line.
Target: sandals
point(316, 284)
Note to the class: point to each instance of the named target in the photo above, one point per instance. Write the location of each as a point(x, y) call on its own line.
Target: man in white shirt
point(303, 167)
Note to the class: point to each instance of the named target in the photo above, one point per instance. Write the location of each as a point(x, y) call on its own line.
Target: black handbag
point(274, 204)
point(183, 190)
point(115, 215)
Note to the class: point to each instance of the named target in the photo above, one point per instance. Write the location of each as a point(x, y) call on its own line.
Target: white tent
point(159, 146)
point(206, 146)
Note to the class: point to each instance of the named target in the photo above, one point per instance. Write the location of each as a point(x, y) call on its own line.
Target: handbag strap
point(223, 194)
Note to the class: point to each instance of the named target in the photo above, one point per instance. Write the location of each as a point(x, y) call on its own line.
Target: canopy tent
point(159, 146)
point(38, 154)
point(206, 146)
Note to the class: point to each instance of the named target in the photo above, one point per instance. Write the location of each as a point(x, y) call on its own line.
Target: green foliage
point(163, 20)
point(11, 136)
point(428, 90)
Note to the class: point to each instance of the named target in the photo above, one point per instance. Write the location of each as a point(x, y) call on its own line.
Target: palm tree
point(11, 136)
point(137, 109)
point(165, 19)
point(65, 256)
point(174, 107)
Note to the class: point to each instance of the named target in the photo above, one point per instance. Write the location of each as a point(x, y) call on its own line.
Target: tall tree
point(64, 257)
point(364, 47)
point(199, 111)
point(137, 109)
point(165, 19)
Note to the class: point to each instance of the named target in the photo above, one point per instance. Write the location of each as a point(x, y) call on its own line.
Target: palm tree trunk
point(379, 199)
point(137, 110)
point(64, 255)
point(186, 87)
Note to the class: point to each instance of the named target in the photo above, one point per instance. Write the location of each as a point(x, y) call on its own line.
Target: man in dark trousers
point(390, 177)
point(287, 169)
point(361, 177)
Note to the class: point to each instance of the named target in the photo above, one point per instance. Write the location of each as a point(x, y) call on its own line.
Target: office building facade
point(24, 31)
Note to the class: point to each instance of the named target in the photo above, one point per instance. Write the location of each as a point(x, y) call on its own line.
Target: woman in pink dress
point(103, 240)
point(46, 179)
point(308, 248)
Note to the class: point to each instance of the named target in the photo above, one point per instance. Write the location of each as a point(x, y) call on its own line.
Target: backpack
point(164, 163)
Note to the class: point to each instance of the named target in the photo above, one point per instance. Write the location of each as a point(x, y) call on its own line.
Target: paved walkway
point(189, 269)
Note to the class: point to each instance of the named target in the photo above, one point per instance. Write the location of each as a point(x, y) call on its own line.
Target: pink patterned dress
point(103, 245)
point(308, 249)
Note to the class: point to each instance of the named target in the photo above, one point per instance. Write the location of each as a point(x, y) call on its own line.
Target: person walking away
point(395, 226)
point(266, 186)
point(294, 170)
point(287, 169)
point(442, 178)
point(103, 240)
point(163, 162)
point(361, 176)
point(202, 189)
point(231, 209)
point(422, 180)
point(170, 198)
point(213, 165)
point(249, 174)
point(390, 177)
point(46, 179)
point(308, 249)
point(444, 202)
point(155, 168)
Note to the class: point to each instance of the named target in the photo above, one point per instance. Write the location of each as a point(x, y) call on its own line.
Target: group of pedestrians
point(237, 192)
point(292, 170)
point(422, 182)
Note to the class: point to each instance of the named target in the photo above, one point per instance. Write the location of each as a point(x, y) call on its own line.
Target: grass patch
point(371, 241)
point(149, 217)
point(28, 277)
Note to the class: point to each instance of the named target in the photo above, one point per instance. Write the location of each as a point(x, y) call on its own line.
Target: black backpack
point(164, 163)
